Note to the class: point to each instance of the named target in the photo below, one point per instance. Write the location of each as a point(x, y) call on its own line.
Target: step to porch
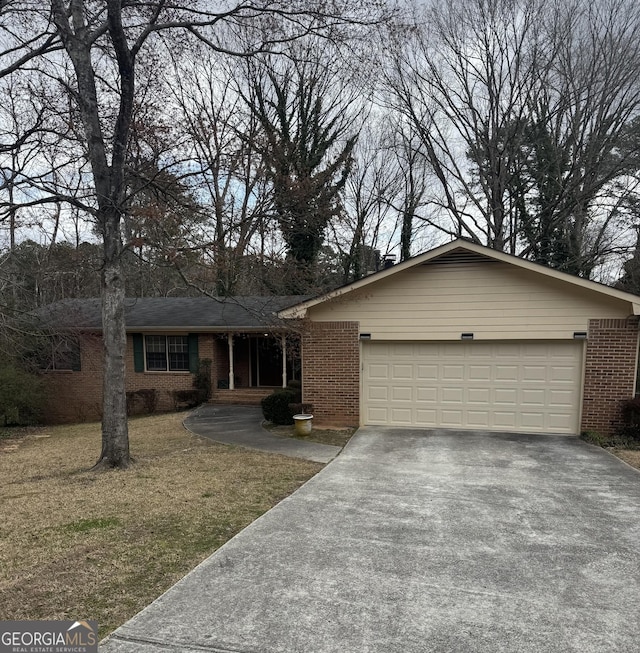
point(240, 396)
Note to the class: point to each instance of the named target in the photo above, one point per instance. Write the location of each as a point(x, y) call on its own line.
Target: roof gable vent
point(460, 257)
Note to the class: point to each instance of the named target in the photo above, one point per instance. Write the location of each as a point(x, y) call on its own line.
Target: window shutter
point(193, 353)
point(138, 352)
point(75, 357)
point(76, 361)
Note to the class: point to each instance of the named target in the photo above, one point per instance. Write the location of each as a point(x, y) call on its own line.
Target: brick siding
point(610, 372)
point(77, 396)
point(331, 372)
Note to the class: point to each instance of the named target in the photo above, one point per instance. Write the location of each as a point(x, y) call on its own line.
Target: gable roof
point(459, 251)
point(185, 313)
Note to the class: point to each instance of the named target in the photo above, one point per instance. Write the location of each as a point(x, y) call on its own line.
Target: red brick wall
point(77, 396)
point(331, 372)
point(610, 372)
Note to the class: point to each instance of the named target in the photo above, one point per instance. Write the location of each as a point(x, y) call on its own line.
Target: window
point(62, 354)
point(167, 353)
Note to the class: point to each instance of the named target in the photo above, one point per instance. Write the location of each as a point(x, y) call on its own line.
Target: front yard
point(76, 544)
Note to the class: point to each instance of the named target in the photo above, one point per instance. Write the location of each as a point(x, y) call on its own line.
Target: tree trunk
point(115, 432)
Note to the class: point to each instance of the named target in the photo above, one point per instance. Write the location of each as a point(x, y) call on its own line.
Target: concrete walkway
point(241, 425)
point(423, 542)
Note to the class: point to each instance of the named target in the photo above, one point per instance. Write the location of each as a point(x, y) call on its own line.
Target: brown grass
point(630, 456)
point(80, 544)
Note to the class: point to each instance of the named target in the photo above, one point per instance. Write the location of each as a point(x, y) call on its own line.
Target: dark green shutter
point(138, 352)
point(76, 359)
point(193, 353)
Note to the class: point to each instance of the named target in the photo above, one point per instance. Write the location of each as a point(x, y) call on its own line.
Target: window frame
point(169, 369)
point(63, 354)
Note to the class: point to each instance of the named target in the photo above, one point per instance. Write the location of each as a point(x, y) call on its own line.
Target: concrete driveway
point(423, 541)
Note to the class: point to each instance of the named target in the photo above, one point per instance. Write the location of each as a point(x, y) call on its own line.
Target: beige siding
point(493, 300)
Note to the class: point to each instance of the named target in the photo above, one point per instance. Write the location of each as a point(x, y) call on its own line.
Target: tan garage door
point(519, 386)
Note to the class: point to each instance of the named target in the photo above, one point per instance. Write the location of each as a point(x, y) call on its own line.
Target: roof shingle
point(199, 313)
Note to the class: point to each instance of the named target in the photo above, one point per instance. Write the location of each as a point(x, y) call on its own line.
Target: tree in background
point(522, 110)
point(461, 80)
point(581, 136)
point(93, 52)
point(226, 175)
point(307, 138)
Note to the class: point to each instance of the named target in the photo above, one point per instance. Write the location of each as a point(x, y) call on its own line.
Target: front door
point(266, 362)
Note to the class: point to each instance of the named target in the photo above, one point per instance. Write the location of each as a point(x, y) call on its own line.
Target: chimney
point(388, 261)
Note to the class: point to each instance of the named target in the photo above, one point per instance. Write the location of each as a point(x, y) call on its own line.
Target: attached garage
point(466, 337)
point(516, 386)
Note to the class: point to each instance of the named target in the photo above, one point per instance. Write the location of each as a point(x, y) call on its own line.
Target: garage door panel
point(530, 397)
point(401, 416)
point(402, 372)
point(534, 373)
point(479, 396)
point(506, 373)
point(476, 354)
point(561, 374)
point(505, 419)
point(378, 415)
point(453, 372)
point(378, 392)
point(558, 422)
point(378, 371)
point(401, 393)
point(507, 350)
point(427, 418)
point(427, 394)
point(452, 395)
point(452, 350)
point(427, 372)
point(532, 421)
point(479, 373)
point(399, 350)
point(534, 350)
point(451, 418)
point(478, 419)
point(505, 396)
point(525, 386)
point(562, 398)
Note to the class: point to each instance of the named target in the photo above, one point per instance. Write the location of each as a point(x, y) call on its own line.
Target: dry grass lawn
point(630, 456)
point(76, 544)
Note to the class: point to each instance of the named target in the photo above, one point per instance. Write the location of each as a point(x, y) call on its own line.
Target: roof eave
point(209, 329)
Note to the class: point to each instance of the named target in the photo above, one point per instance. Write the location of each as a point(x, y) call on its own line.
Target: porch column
point(284, 360)
point(231, 374)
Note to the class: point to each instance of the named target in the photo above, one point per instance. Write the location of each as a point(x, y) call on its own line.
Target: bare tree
point(372, 181)
point(93, 50)
point(228, 172)
point(581, 136)
point(521, 108)
point(462, 81)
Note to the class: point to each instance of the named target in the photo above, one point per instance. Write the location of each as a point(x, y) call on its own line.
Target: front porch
point(250, 366)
